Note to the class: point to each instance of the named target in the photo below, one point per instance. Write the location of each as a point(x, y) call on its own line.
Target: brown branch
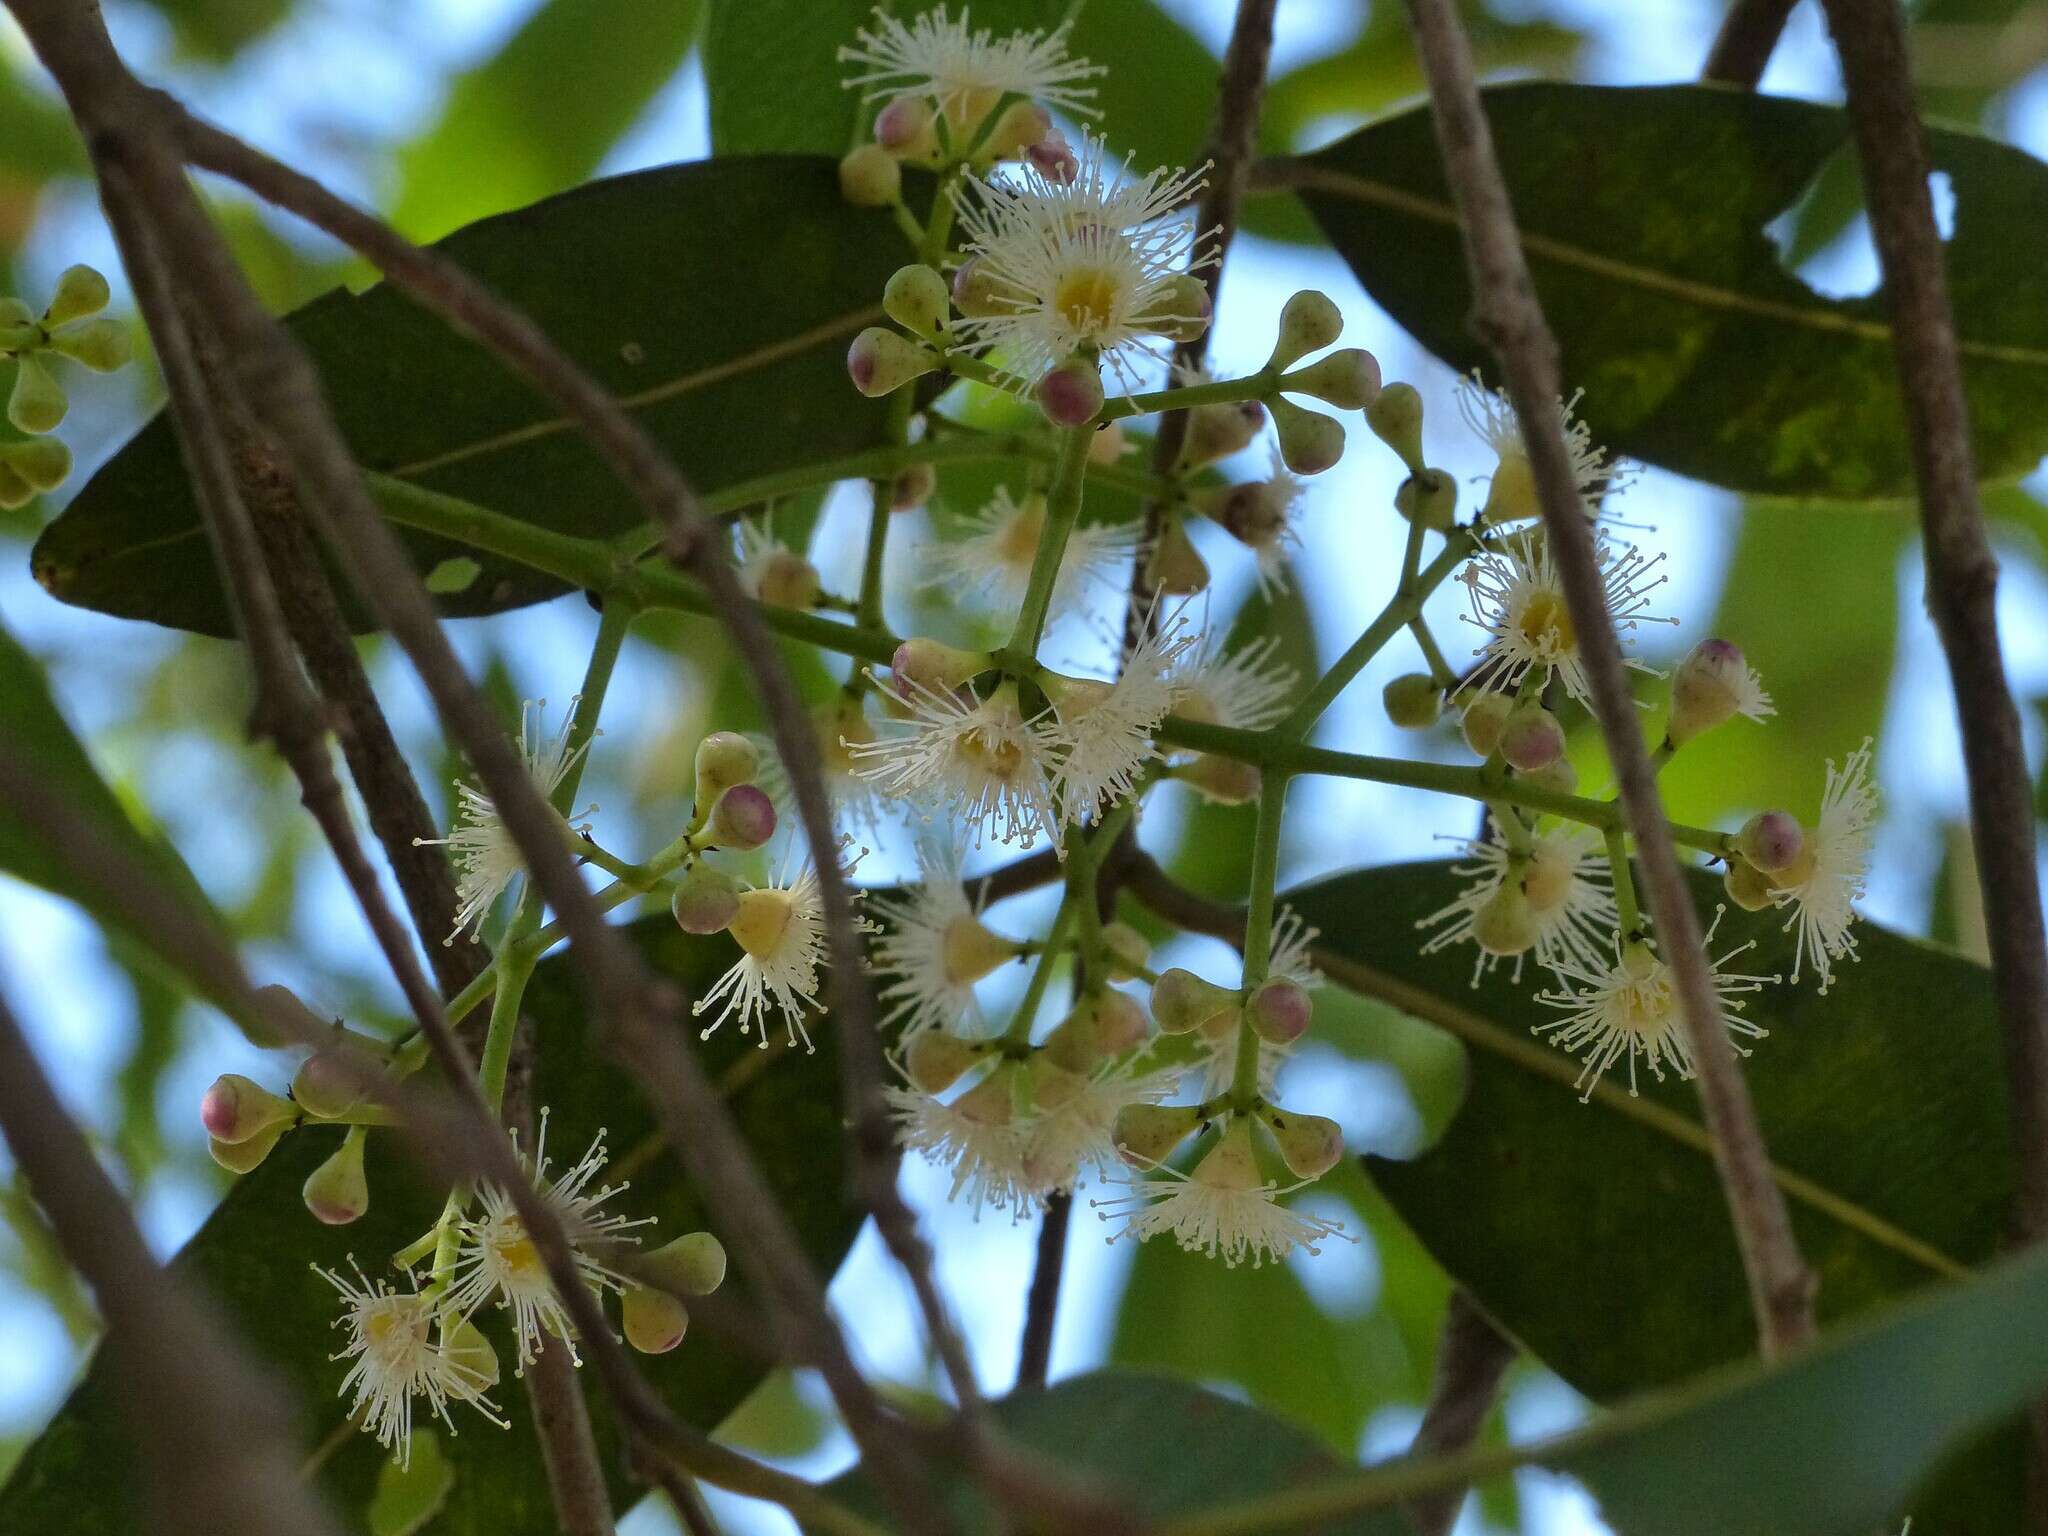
point(209, 1426)
point(447, 290)
point(1508, 319)
point(1019, 875)
point(1041, 1302)
point(1471, 1358)
point(1962, 585)
point(1748, 37)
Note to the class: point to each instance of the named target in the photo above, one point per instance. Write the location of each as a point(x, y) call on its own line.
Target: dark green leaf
point(1596, 1232)
point(716, 299)
point(1164, 1446)
point(496, 146)
point(254, 1253)
point(1643, 211)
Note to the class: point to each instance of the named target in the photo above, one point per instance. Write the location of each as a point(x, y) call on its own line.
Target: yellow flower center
point(1546, 625)
point(763, 919)
point(997, 756)
point(1086, 298)
point(1017, 540)
point(517, 1253)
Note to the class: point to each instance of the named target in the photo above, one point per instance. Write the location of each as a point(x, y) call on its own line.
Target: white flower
point(978, 760)
point(1565, 880)
point(1082, 264)
point(1492, 417)
point(1823, 884)
point(1222, 1209)
point(486, 857)
point(934, 947)
point(1264, 516)
point(499, 1260)
point(391, 1339)
point(780, 930)
point(993, 562)
point(1518, 600)
point(978, 1137)
point(964, 73)
point(1105, 729)
point(1288, 954)
point(1630, 1008)
point(769, 571)
point(1244, 689)
point(1073, 1129)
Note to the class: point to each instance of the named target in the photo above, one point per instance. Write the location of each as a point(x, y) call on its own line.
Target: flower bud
point(693, 1264)
point(782, 578)
point(466, 1345)
point(869, 177)
point(1124, 951)
point(1747, 886)
point(1309, 322)
point(1429, 497)
point(14, 491)
point(976, 293)
point(724, 758)
point(1413, 700)
point(1103, 1025)
point(912, 488)
point(283, 1019)
point(880, 362)
point(1531, 738)
point(235, 1109)
point(1146, 1134)
point(1771, 841)
point(1310, 442)
point(1108, 445)
point(706, 900)
point(1348, 379)
point(1175, 567)
point(653, 1321)
point(1182, 1001)
point(905, 129)
point(1395, 417)
point(1231, 1164)
point(1254, 512)
point(101, 345)
point(1217, 431)
point(1053, 159)
point(761, 921)
point(934, 1060)
point(743, 819)
point(18, 327)
point(1182, 310)
point(37, 404)
point(1024, 126)
point(1071, 394)
point(1511, 495)
point(1505, 924)
point(1279, 1010)
point(338, 1191)
point(1560, 777)
point(1706, 689)
point(1222, 780)
point(916, 298)
point(922, 662)
point(970, 950)
point(329, 1082)
point(1310, 1145)
point(993, 1100)
point(40, 463)
point(247, 1156)
point(1484, 717)
point(81, 291)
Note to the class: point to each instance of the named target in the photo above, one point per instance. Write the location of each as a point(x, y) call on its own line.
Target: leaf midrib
point(1482, 1033)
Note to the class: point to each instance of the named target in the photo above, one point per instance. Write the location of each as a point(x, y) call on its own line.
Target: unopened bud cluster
point(70, 326)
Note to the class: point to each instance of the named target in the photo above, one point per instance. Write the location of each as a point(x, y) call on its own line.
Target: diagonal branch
point(1471, 1358)
point(1507, 318)
point(1748, 37)
point(1962, 587)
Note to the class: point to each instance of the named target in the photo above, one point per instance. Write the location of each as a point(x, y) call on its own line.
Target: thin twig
point(1748, 37)
point(1508, 319)
point(1041, 1302)
point(1962, 586)
point(1471, 1357)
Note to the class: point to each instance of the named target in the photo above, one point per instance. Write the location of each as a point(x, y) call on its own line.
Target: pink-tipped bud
point(1217, 431)
point(977, 294)
point(1772, 841)
point(1279, 1011)
point(1348, 379)
point(912, 488)
point(743, 819)
point(247, 1156)
point(1310, 442)
point(1310, 1145)
point(1146, 1134)
point(1531, 739)
point(934, 1060)
point(706, 901)
point(916, 298)
point(1483, 719)
point(1071, 394)
point(880, 362)
point(1708, 686)
point(653, 1321)
point(1183, 1002)
point(1053, 159)
point(904, 126)
point(1413, 701)
point(869, 177)
point(922, 662)
point(338, 1191)
point(235, 1109)
point(1309, 322)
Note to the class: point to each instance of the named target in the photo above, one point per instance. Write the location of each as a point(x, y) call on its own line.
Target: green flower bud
point(466, 1345)
point(1146, 1134)
point(1560, 777)
point(1309, 322)
point(282, 1018)
point(247, 1156)
point(81, 291)
point(1531, 739)
point(1310, 1145)
point(1511, 495)
point(934, 1060)
point(1772, 841)
point(328, 1082)
point(1217, 431)
point(1183, 1002)
point(693, 1264)
point(1413, 700)
point(1279, 1010)
point(653, 1320)
point(101, 345)
point(1310, 442)
point(1484, 716)
point(338, 1191)
point(1429, 498)
point(922, 662)
point(235, 1109)
point(37, 404)
point(1101, 1026)
point(1708, 686)
point(1348, 379)
point(706, 900)
point(1747, 886)
point(880, 362)
point(1183, 308)
point(1506, 924)
point(915, 298)
point(869, 177)
point(976, 294)
point(41, 463)
point(14, 490)
point(1395, 417)
point(724, 758)
point(1023, 123)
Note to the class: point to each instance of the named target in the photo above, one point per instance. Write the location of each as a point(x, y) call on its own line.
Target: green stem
point(1254, 386)
point(1019, 1032)
point(1258, 933)
point(513, 975)
point(1441, 672)
point(1062, 511)
point(1404, 609)
point(1630, 916)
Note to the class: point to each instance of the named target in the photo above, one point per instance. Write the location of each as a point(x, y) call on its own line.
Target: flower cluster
point(70, 327)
